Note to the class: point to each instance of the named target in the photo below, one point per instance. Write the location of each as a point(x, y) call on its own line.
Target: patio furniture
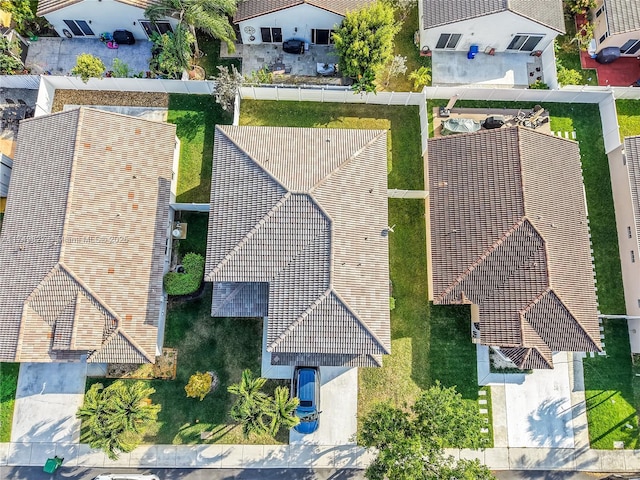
point(446, 110)
point(277, 68)
point(326, 69)
point(473, 51)
point(124, 37)
point(608, 55)
point(8, 100)
point(460, 125)
point(21, 102)
point(293, 46)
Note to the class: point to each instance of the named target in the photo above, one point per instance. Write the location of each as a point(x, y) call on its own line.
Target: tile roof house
point(502, 25)
point(624, 166)
point(83, 241)
point(88, 19)
point(297, 235)
point(616, 23)
point(510, 235)
point(274, 21)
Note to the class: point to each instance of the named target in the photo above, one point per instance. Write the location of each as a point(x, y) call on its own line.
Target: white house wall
point(303, 17)
point(102, 16)
point(490, 31)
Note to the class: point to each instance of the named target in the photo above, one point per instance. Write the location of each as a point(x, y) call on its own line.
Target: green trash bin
point(53, 464)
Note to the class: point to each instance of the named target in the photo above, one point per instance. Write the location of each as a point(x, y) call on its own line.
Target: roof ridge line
point(48, 275)
point(120, 331)
point(300, 319)
point(263, 221)
point(72, 175)
point(348, 160)
point(90, 291)
point(548, 290)
point(258, 164)
point(364, 324)
point(483, 256)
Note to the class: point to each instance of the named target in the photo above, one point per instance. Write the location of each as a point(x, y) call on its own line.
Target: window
point(157, 27)
point(524, 43)
point(271, 34)
point(321, 37)
point(79, 28)
point(448, 40)
point(629, 232)
point(603, 37)
point(639, 302)
point(633, 256)
point(630, 47)
point(600, 11)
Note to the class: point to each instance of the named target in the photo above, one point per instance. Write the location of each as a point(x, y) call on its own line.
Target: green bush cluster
point(188, 282)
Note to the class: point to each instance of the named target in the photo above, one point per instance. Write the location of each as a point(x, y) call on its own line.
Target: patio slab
point(502, 69)
point(57, 56)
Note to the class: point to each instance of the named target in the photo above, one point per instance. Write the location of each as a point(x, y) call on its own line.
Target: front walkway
point(57, 56)
point(47, 399)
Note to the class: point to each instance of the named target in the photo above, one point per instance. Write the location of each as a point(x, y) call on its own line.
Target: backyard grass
point(195, 117)
point(568, 53)
point(404, 157)
point(405, 46)
point(8, 386)
point(197, 230)
point(210, 47)
point(612, 409)
point(223, 345)
point(628, 117)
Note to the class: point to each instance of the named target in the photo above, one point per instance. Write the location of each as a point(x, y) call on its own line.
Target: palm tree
point(250, 408)
point(115, 418)
point(210, 16)
point(281, 408)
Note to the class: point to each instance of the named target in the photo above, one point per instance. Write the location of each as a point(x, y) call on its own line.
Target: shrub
point(199, 385)
point(120, 69)
point(569, 76)
point(538, 85)
point(392, 303)
point(188, 282)
point(421, 77)
point(88, 66)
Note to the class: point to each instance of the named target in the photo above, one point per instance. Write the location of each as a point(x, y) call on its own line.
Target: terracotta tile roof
point(632, 153)
point(254, 8)
point(622, 15)
point(48, 6)
point(80, 267)
point(511, 237)
point(444, 12)
point(303, 210)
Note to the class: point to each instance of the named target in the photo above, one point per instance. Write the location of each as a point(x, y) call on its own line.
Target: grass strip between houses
point(8, 387)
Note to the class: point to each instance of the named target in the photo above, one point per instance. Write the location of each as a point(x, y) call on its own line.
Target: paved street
point(36, 473)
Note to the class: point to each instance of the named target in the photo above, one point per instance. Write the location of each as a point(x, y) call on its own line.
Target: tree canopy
point(364, 43)
point(411, 443)
point(116, 417)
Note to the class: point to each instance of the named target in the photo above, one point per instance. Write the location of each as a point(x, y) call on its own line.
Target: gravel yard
point(94, 97)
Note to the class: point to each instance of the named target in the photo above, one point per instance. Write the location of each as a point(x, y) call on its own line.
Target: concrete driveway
point(339, 407)
point(47, 399)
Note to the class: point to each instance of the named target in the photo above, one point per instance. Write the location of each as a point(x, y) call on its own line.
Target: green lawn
point(428, 343)
point(611, 405)
point(568, 54)
point(405, 159)
point(628, 117)
point(223, 345)
point(195, 117)
point(210, 48)
point(8, 385)
point(197, 229)
point(405, 46)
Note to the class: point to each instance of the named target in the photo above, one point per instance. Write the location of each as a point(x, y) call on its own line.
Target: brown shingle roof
point(444, 12)
point(509, 232)
point(48, 6)
point(254, 8)
point(303, 210)
point(80, 267)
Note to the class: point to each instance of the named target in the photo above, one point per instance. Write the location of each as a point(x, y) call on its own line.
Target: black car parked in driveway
point(293, 46)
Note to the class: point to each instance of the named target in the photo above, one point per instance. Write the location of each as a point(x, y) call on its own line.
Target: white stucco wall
point(102, 16)
point(495, 31)
point(303, 17)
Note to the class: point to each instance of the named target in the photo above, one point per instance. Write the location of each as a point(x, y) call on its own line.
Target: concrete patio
point(254, 57)
point(502, 69)
point(57, 56)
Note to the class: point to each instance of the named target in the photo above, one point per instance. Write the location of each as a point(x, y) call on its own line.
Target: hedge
point(188, 282)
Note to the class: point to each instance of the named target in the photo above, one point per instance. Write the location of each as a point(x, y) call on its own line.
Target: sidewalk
point(309, 456)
